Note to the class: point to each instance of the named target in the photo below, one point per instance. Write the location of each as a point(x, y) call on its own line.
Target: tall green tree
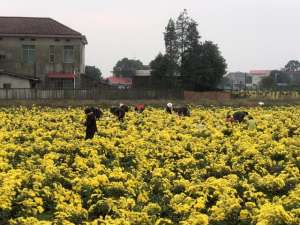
point(93, 72)
point(162, 72)
point(280, 77)
point(267, 82)
point(192, 36)
point(159, 66)
point(182, 25)
point(171, 47)
point(203, 67)
point(127, 67)
point(292, 66)
point(171, 41)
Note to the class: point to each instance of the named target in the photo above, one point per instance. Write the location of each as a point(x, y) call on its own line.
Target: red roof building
point(260, 72)
point(120, 82)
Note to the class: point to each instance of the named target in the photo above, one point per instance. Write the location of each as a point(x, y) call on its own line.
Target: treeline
point(188, 61)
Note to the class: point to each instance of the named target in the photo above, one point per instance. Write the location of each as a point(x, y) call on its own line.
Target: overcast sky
point(251, 34)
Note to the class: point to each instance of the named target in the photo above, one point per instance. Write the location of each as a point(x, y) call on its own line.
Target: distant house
point(142, 79)
point(42, 48)
point(237, 80)
point(10, 80)
point(119, 82)
point(257, 76)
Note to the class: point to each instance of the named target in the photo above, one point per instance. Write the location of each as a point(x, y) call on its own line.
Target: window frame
point(6, 85)
point(69, 48)
point(51, 54)
point(28, 52)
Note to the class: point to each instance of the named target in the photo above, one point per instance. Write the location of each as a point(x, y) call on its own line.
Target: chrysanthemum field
point(154, 168)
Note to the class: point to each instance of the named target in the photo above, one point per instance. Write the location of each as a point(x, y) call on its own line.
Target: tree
point(127, 67)
point(192, 36)
point(280, 77)
point(182, 25)
point(93, 72)
point(171, 46)
point(292, 66)
point(159, 66)
point(267, 82)
point(171, 41)
point(161, 72)
point(203, 67)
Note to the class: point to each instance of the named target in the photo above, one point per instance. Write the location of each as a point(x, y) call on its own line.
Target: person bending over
point(118, 112)
point(124, 107)
point(182, 111)
point(239, 116)
point(139, 108)
point(169, 108)
point(90, 123)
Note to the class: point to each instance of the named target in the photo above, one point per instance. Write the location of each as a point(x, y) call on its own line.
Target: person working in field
point(182, 111)
point(139, 108)
point(119, 112)
point(229, 119)
point(237, 117)
point(90, 123)
point(169, 108)
point(97, 112)
point(124, 107)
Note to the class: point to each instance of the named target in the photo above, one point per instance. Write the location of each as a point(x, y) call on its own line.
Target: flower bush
point(154, 168)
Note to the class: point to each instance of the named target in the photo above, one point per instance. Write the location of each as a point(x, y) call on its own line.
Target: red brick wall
point(211, 95)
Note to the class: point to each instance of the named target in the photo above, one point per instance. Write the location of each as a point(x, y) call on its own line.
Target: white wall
point(15, 82)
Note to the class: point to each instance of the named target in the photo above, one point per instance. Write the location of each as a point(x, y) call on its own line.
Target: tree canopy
point(127, 67)
point(199, 64)
point(203, 67)
point(93, 72)
point(292, 66)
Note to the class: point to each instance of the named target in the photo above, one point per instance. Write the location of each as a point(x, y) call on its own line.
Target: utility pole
point(245, 81)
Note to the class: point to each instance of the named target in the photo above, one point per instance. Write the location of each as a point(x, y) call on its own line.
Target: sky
point(251, 34)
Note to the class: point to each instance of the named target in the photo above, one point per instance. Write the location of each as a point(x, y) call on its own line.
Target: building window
point(68, 54)
point(7, 85)
point(2, 57)
point(29, 54)
point(51, 54)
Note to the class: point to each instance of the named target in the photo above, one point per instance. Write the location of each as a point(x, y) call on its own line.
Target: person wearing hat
point(90, 123)
point(119, 112)
point(169, 108)
point(124, 107)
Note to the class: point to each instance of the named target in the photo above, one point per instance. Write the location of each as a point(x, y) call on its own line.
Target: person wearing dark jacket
point(182, 111)
point(97, 112)
point(90, 123)
point(119, 112)
point(239, 116)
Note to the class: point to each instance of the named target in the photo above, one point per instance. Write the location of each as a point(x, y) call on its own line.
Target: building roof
point(260, 72)
point(34, 26)
point(119, 80)
point(20, 76)
point(143, 73)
